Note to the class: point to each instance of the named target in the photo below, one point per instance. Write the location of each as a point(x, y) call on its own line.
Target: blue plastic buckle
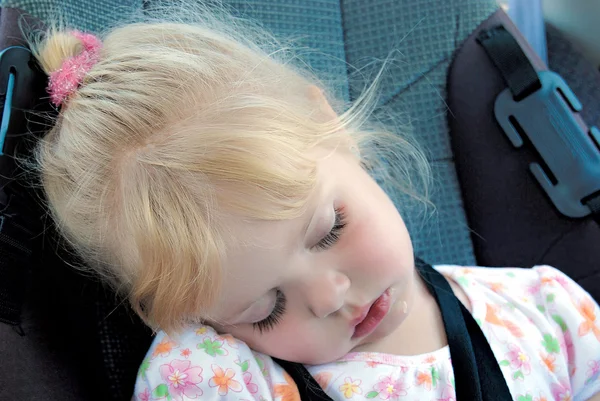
point(570, 151)
point(19, 86)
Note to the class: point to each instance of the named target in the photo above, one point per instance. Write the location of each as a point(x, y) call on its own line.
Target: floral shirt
point(542, 327)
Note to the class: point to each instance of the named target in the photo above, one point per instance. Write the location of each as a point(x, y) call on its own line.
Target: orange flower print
point(372, 364)
point(163, 348)
point(224, 380)
point(324, 378)
point(491, 316)
point(587, 310)
point(288, 391)
point(229, 339)
point(429, 359)
point(201, 330)
point(497, 287)
point(186, 353)
point(350, 387)
point(424, 379)
point(549, 361)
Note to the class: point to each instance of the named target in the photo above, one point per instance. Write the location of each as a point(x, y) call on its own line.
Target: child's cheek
point(308, 342)
point(374, 249)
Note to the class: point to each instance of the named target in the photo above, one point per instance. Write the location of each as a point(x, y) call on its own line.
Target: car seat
point(74, 340)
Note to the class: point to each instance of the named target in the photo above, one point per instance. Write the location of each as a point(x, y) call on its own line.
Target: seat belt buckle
point(569, 152)
point(22, 85)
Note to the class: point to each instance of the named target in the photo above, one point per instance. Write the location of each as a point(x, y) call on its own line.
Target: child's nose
point(326, 293)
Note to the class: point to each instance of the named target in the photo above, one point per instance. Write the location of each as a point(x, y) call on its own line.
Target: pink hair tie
point(64, 81)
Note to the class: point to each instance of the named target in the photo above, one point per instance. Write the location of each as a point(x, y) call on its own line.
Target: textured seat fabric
point(348, 36)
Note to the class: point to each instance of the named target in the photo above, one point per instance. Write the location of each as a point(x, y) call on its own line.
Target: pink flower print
point(562, 280)
point(388, 388)
point(448, 394)
point(252, 387)
point(145, 396)
point(567, 347)
point(182, 379)
point(350, 387)
point(561, 392)
point(594, 371)
point(534, 289)
point(223, 379)
point(518, 361)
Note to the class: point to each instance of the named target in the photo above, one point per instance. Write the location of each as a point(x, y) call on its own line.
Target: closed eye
point(334, 234)
point(271, 321)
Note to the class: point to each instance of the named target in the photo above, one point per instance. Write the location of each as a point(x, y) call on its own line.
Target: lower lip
point(376, 313)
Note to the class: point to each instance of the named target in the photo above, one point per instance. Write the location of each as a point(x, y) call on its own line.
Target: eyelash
point(271, 321)
point(333, 236)
point(325, 243)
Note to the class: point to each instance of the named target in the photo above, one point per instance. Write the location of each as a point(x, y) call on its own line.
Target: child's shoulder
point(526, 283)
point(201, 362)
point(541, 287)
point(536, 320)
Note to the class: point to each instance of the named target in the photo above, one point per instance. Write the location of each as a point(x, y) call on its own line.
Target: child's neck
point(423, 329)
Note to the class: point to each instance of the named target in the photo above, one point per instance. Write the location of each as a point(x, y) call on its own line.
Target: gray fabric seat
point(355, 33)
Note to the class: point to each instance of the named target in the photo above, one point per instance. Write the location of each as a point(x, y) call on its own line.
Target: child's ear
point(316, 94)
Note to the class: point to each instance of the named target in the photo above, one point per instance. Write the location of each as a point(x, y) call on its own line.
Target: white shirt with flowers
point(542, 327)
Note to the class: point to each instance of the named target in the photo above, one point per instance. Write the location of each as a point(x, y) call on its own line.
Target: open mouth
point(368, 322)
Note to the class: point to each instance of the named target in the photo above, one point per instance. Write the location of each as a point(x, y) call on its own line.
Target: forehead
point(258, 253)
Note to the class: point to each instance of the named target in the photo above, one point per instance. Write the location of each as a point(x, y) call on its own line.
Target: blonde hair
point(182, 122)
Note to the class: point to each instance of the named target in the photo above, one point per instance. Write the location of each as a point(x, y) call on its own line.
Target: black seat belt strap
point(308, 387)
point(476, 370)
point(593, 202)
point(507, 56)
point(466, 374)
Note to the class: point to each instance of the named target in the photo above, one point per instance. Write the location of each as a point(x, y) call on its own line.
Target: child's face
point(328, 284)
